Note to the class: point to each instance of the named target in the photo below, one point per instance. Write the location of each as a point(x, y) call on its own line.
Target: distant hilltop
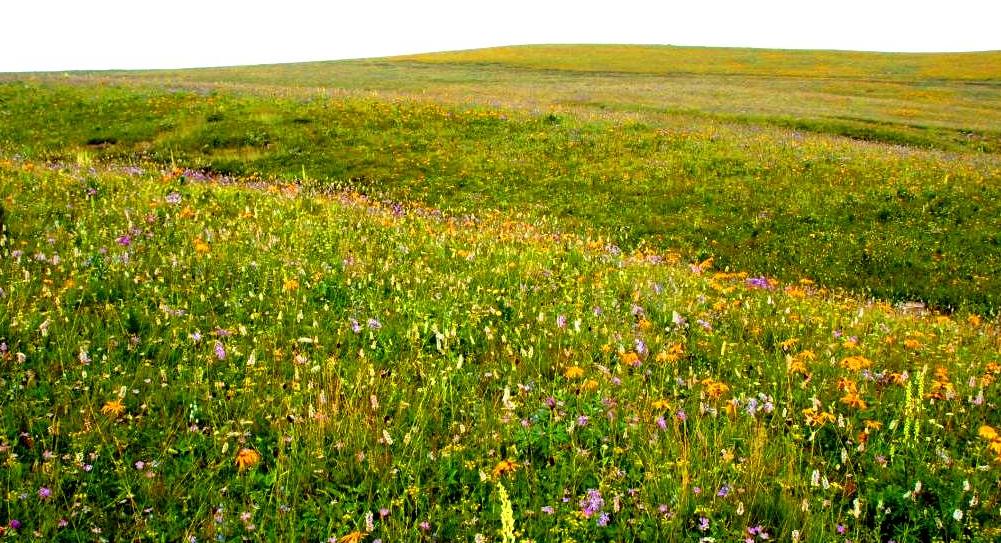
point(667, 59)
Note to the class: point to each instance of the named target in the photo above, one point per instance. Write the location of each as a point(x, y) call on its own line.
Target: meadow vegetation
point(355, 302)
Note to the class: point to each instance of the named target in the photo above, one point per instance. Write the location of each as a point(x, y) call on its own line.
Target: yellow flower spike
point(247, 458)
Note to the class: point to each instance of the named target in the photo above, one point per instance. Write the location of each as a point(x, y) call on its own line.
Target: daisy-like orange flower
point(672, 354)
point(247, 458)
point(200, 246)
point(113, 408)
point(589, 386)
point(852, 399)
point(574, 372)
point(715, 389)
point(630, 358)
point(815, 417)
point(660, 405)
point(354, 537)
point(504, 467)
point(856, 363)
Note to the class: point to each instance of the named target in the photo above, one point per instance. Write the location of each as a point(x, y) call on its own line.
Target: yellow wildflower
point(672, 354)
point(818, 418)
point(200, 246)
point(630, 358)
point(247, 458)
point(714, 388)
point(660, 405)
point(856, 363)
point(988, 433)
point(113, 408)
point(504, 467)
point(574, 372)
point(354, 537)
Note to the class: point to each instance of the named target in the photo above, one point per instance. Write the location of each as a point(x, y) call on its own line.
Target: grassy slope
point(221, 316)
point(690, 161)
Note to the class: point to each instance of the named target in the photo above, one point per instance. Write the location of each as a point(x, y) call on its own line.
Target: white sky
point(98, 34)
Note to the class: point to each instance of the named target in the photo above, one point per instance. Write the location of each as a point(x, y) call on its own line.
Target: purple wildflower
point(723, 491)
point(681, 416)
point(44, 493)
point(374, 324)
point(355, 327)
point(640, 346)
point(561, 321)
point(220, 351)
point(661, 423)
point(591, 503)
point(173, 198)
point(703, 524)
point(758, 282)
point(677, 319)
point(548, 510)
point(14, 524)
point(603, 519)
point(582, 420)
point(124, 240)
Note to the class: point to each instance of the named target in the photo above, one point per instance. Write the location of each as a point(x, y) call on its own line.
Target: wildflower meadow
point(401, 340)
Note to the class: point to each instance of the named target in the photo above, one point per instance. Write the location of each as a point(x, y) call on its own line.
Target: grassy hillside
point(504, 295)
point(900, 222)
point(192, 358)
point(666, 60)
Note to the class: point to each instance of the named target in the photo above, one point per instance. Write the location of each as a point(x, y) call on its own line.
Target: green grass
point(390, 357)
point(292, 303)
point(768, 195)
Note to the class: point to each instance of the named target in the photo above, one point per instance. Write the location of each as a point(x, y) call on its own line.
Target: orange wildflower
point(504, 467)
point(113, 408)
point(247, 458)
point(856, 363)
point(354, 537)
